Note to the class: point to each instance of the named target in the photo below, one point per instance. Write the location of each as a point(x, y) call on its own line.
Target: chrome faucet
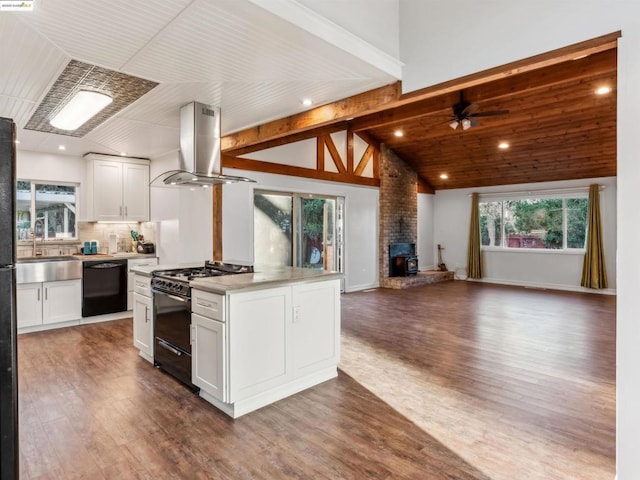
point(37, 252)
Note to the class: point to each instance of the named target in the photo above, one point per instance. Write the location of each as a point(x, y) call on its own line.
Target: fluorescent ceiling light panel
point(83, 106)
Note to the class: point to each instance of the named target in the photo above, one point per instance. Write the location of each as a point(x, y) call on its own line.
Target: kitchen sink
point(48, 269)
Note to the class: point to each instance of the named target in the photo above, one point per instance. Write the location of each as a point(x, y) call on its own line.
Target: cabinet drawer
point(142, 285)
point(208, 304)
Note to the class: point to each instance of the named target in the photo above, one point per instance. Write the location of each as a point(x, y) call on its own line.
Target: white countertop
point(263, 277)
point(267, 278)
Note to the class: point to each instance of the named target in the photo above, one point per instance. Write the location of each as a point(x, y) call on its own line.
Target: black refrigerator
point(8, 328)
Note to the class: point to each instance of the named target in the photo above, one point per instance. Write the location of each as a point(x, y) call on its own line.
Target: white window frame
point(32, 206)
point(564, 195)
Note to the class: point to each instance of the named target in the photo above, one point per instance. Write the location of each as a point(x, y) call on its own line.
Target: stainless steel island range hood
point(200, 158)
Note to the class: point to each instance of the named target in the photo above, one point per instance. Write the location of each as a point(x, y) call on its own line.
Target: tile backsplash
point(101, 232)
point(88, 231)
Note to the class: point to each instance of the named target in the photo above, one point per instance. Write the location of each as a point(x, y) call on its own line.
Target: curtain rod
point(542, 191)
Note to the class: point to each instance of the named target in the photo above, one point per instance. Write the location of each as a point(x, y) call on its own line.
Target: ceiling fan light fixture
point(454, 124)
point(82, 106)
point(466, 124)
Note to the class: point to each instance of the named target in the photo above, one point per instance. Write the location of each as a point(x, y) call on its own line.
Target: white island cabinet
point(257, 342)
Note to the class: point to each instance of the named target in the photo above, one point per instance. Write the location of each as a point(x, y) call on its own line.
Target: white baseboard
point(79, 321)
point(545, 286)
point(358, 288)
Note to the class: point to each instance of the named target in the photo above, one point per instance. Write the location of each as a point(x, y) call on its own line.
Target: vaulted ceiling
point(556, 128)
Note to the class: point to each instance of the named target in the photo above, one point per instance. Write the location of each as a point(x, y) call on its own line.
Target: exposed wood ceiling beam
point(367, 102)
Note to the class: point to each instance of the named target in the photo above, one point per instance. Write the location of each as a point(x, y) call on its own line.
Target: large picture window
point(47, 210)
point(534, 223)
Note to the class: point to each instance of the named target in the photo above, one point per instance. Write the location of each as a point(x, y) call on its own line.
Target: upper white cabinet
point(117, 188)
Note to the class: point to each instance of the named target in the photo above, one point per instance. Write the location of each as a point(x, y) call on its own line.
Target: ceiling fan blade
point(470, 109)
point(489, 114)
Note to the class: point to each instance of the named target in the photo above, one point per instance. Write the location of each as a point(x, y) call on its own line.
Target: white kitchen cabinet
point(131, 263)
point(315, 326)
point(117, 188)
point(208, 356)
point(48, 302)
point(143, 325)
point(29, 304)
point(259, 350)
point(251, 348)
point(142, 305)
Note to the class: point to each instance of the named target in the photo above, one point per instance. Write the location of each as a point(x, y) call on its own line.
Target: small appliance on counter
point(91, 247)
point(146, 247)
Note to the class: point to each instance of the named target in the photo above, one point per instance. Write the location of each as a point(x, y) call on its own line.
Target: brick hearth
point(422, 278)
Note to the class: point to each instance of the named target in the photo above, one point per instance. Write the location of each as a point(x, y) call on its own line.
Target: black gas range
point(176, 281)
point(172, 315)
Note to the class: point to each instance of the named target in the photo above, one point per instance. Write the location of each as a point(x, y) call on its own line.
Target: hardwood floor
point(449, 381)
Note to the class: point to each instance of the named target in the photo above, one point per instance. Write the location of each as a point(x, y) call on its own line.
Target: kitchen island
point(259, 337)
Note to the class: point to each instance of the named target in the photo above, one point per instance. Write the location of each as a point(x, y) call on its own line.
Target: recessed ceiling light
point(307, 102)
point(503, 145)
point(398, 133)
point(17, 141)
point(444, 176)
point(603, 90)
point(123, 154)
point(205, 186)
point(61, 147)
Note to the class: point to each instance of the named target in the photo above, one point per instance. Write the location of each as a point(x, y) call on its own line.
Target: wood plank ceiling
point(557, 128)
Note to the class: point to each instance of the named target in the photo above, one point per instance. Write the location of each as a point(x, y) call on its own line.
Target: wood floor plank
point(457, 380)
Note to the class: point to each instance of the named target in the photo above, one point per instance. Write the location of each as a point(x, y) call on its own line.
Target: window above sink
point(49, 210)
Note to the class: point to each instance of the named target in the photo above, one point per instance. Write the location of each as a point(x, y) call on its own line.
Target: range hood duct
point(200, 157)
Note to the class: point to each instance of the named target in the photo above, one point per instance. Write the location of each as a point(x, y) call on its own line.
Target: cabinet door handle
point(120, 210)
point(45, 293)
point(146, 314)
point(38, 294)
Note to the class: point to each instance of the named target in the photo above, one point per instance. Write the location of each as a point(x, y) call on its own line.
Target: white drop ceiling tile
point(161, 106)
point(235, 41)
point(29, 65)
point(136, 138)
point(105, 33)
point(16, 109)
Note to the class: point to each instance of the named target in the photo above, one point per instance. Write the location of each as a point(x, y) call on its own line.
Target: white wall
point(183, 218)
point(425, 246)
point(53, 168)
point(502, 31)
point(535, 268)
point(361, 221)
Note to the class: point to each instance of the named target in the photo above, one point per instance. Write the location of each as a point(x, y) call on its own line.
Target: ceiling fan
point(465, 114)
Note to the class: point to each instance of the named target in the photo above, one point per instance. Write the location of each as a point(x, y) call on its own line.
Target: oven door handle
point(173, 297)
point(164, 344)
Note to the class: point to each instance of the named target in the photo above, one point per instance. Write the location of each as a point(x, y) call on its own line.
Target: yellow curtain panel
point(474, 257)
point(594, 270)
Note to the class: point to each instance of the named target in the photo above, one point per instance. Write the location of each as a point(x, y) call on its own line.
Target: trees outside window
point(538, 223)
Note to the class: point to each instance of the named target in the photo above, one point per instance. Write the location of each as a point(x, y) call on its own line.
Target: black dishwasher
point(104, 286)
